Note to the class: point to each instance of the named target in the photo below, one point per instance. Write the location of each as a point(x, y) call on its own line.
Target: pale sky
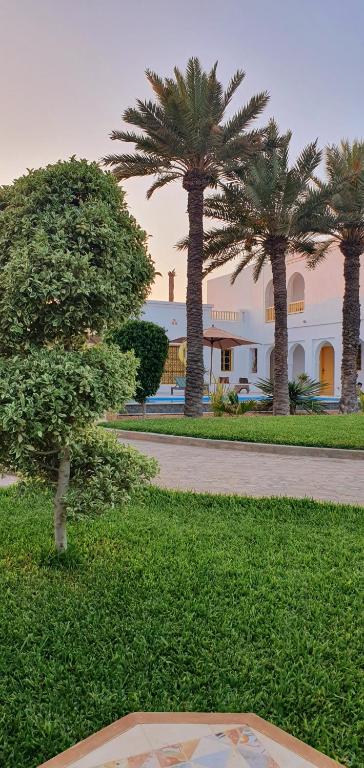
point(68, 69)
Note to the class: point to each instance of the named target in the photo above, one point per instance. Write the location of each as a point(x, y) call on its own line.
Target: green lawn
point(332, 431)
point(180, 602)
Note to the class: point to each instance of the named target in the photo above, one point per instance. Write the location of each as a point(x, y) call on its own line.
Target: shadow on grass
point(71, 560)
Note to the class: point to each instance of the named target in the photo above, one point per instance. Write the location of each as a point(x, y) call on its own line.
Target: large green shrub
point(71, 257)
point(73, 264)
point(149, 343)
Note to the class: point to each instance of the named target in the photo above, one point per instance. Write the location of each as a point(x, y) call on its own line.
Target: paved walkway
point(214, 470)
point(6, 480)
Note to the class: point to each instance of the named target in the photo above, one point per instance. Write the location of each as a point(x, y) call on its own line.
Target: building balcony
point(227, 315)
point(293, 308)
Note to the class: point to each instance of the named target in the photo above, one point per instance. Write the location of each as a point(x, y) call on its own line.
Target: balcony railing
point(222, 314)
point(269, 314)
point(296, 306)
point(293, 308)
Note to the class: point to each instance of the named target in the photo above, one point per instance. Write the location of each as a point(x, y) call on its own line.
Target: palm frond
point(234, 83)
point(242, 119)
point(308, 161)
point(161, 181)
point(126, 166)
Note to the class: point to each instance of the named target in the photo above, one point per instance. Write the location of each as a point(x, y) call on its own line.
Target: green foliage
point(237, 407)
point(336, 207)
point(48, 395)
point(182, 131)
point(263, 203)
point(150, 344)
point(183, 603)
point(361, 400)
point(72, 259)
point(73, 262)
point(104, 473)
point(226, 401)
point(302, 393)
point(217, 399)
point(332, 432)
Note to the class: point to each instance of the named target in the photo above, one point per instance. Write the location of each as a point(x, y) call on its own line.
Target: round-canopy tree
point(184, 137)
point(72, 263)
point(149, 343)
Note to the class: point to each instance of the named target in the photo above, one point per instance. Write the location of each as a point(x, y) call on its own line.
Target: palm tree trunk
point(64, 471)
point(195, 365)
point(351, 327)
point(280, 377)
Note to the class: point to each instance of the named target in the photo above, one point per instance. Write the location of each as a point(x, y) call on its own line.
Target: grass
point(180, 602)
point(327, 431)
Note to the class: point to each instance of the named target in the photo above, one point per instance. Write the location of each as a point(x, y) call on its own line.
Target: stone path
point(214, 470)
point(6, 480)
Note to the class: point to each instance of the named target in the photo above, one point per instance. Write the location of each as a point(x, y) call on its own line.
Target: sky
point(69, 68)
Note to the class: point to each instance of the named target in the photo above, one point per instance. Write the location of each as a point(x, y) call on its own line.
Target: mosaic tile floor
point(233, 748)
point(171, 740)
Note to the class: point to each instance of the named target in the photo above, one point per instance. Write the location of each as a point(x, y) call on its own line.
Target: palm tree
point(183, 138)
point(336, 209)
point(260, 216)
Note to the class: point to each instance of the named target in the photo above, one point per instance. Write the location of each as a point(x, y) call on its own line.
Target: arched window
point(269, 302)
point(296, 293)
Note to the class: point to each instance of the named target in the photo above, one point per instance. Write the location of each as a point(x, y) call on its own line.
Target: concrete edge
point(236, 445)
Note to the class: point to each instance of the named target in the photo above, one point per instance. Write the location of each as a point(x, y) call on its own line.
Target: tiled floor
point(213, 470)
point(191, 746)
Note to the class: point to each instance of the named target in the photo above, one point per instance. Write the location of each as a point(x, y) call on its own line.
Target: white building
point(246, 309)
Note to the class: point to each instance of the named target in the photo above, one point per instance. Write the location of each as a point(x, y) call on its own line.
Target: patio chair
point(243, 385)
point(180, 384)
point(224, 380)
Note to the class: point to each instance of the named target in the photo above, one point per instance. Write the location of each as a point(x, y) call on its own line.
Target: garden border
point(237, 445)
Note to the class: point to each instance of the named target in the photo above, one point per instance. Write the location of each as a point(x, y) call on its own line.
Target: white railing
point(222, 314)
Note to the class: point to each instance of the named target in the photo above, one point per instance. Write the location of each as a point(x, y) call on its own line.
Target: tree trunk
point(195, 185)
point(64, 469)
point(277, 253)
point(144, 409)
point(350, 327)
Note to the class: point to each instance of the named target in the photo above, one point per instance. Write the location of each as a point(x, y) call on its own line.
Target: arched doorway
point(327, 369)
point(298, 361)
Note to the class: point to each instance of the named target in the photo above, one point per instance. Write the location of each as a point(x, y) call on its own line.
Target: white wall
point(319, 323)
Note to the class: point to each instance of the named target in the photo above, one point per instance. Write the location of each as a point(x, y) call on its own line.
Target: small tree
point(149, 343)
point(72, 262)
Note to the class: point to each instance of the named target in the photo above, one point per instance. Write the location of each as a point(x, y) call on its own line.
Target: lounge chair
point(180, 384)
point(243, 385)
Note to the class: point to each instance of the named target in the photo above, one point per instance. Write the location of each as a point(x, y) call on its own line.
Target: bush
point(104, 473)
point(47, 396)
point(225, 400)
point(302, 393)
point(150, 344)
